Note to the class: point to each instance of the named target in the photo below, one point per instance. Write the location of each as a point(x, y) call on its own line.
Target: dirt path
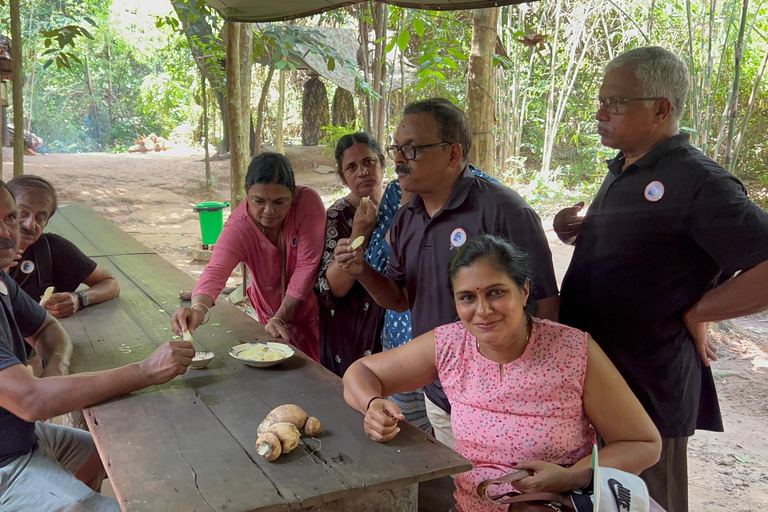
point(151, 197)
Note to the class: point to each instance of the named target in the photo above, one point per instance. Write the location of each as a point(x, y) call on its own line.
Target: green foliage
point(332, 134)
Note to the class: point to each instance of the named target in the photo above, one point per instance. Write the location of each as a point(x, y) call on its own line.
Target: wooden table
point(189, 445)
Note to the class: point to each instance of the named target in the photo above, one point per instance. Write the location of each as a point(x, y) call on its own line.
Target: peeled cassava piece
point(313, 427)
point(268, 446)
point(287, 433)
point(357, 242)
point(285, 413)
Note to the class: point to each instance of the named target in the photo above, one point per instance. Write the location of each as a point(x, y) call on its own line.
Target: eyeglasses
point(612, 104)
point(409, 150)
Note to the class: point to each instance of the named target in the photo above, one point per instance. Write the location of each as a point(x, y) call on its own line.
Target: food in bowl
point(261, 353)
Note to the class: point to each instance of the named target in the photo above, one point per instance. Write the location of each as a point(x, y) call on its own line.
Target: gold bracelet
point(207, 315)
point(279, 320)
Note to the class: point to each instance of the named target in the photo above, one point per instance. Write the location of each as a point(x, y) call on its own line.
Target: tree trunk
point(480, 93)
point(18, 98)
point(343, 111)
point(261, 108)
point(208, 181)
point(279, 141)
point(314, 109)
point(239, 59)
point(380, 14)
point(224, 111)
point(363, 60)
point(738, 55)
point(94, 108)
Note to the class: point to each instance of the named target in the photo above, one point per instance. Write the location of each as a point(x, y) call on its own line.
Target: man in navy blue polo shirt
point(450, 206)
point(666, 229)
point(45, 466)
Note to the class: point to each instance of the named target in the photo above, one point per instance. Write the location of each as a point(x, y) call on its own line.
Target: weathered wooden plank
point(356, 460)
point(101, 233)
point(61, 225)
point(167, 452)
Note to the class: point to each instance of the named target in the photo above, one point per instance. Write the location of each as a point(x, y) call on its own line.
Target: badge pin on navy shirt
point(27, 266)
point(654, 191)
point(458, 238)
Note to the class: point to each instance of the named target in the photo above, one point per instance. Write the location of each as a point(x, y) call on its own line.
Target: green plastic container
point(211, 220)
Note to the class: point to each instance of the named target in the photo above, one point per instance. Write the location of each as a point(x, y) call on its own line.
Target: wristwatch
point(83, 299)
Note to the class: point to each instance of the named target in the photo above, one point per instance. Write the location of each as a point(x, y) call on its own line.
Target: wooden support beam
point(18, 99)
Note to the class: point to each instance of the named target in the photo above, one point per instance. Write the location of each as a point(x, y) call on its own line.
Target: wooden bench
point(189, 445)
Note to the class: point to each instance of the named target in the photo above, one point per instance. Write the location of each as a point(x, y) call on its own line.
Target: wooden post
point(480, 89)
point(239, 60)
point(18, 99)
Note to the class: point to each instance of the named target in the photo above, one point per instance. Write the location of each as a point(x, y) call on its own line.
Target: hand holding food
point(47, 295)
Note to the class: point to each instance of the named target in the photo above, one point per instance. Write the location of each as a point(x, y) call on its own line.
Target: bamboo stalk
point(734, 104)
point(750, 106)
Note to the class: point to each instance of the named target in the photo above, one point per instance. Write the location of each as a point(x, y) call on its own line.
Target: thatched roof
point(271, 10)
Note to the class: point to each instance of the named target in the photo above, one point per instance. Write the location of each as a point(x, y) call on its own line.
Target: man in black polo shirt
point(51, 260)
point(450, 206)
point(667, 226)
point(45, 466)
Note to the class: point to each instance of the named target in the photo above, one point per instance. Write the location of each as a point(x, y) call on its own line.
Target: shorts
point(44, 480)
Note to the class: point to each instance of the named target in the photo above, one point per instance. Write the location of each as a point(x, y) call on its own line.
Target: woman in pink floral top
point(279, 232)
point(525, 393)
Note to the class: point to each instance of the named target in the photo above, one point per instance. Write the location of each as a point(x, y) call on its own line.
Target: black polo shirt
point(422, 247)
point(20, 317)
point(656, 238)
point(52, 261)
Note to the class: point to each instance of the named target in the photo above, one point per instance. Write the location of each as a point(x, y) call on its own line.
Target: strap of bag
point(547, 499)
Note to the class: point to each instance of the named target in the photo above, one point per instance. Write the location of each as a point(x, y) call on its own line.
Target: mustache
point(7, 243)
point(26, 231)
point(402, 169)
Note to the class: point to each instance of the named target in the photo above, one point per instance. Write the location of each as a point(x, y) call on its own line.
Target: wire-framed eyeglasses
point(611, 105)
point(409, 150)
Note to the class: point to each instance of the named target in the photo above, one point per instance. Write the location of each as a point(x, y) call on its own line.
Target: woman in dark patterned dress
point(350, 320)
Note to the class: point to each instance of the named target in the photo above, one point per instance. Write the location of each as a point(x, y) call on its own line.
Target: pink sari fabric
point(304, 239)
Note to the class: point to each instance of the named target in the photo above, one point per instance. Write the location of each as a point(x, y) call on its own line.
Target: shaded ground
point(151, 197)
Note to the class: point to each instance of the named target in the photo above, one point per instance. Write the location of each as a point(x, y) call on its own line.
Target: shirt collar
point(458, 194)
point(650, 159)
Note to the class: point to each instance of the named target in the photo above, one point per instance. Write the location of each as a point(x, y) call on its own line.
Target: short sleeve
point(522, 227)
point(28, 313)
point(727, 225)
point(70, 265)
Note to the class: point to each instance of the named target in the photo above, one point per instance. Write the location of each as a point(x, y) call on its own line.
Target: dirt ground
point(151, 197)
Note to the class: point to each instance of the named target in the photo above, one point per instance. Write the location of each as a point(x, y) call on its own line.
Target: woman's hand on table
point(381, 419)
point(364, 220)
point(549, 477)
point(349, 260)
point(187, 319)
point(277, 328)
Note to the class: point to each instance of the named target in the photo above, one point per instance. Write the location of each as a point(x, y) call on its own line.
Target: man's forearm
point(54, 346)
point(103, 291)
point(746, 294)
point(384, 290)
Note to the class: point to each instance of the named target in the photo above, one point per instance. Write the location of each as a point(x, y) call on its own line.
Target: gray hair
point(452, 123)
point(660, 72)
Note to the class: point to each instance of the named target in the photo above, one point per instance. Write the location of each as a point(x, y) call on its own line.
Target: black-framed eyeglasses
point(611, 105)
point(409, 150)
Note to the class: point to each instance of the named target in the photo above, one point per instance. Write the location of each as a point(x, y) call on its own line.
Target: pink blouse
point(534, 413)
point(242, 241)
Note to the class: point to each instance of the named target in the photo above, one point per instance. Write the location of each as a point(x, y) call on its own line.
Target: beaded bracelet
point(370, 402)
point(207, 315)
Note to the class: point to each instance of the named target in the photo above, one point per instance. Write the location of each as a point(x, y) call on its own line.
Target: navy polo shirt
point(20, 317)
point(657, 237)
point(422, 247)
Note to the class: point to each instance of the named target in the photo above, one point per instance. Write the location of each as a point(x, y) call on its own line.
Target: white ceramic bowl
point(201, 359)
point(284, 349)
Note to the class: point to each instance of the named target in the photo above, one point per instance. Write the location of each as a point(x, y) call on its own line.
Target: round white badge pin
point(3, 288)
point(458, 237)
point(27, 266)
point(654, 191)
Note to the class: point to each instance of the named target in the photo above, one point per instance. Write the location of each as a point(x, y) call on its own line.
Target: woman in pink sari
point(279, 233)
